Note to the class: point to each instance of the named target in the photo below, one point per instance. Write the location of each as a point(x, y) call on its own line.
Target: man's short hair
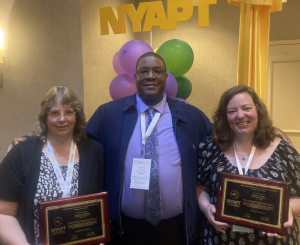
point(152, 54)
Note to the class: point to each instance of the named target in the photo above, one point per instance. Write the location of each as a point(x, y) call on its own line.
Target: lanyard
point(146, 135)
point(248, 162)
point(64, 185)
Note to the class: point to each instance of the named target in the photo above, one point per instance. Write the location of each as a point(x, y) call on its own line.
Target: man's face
point(151, 86)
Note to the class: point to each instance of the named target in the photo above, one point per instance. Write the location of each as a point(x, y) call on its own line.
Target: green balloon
point(184, 87)
point(178, 56)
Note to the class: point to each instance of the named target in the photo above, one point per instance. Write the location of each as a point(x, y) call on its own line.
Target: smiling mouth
point(242, 123)
point(62, 127)
point(150, 85)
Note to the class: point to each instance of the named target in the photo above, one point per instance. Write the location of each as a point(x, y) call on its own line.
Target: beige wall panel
point(285, 98)
point(43, 49)
point(285, 24)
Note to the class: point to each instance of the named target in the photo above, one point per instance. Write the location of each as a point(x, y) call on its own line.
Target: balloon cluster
point(178, 56)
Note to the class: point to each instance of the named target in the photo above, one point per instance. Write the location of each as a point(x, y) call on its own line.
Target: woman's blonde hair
point(69, 99)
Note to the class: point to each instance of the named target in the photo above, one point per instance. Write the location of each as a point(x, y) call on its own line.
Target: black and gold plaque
point(76, 220)
point(253, 202)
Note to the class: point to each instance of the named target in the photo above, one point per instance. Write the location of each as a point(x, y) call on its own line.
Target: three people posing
point(178, 132)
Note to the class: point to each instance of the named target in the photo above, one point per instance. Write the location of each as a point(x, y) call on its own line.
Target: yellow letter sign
point(155, 15)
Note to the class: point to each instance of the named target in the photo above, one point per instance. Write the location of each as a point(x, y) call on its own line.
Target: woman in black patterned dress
point(243, 130)
point(36, 170)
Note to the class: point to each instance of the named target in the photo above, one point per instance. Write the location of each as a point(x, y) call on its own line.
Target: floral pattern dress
point(283, 165)
point(48, 188)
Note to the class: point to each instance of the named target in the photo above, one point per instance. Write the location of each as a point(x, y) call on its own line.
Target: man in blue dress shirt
point(180, 128)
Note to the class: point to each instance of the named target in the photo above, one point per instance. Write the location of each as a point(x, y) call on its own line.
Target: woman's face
point(242, 114)
point(61, 121)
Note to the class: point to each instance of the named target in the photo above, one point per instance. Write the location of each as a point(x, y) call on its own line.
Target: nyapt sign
point(155, 15)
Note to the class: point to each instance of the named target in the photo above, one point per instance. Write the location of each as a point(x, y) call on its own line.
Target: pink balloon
point(116, 64)
point(182, 100)
point(121, 86)
point(130, 53)
point(171, 86)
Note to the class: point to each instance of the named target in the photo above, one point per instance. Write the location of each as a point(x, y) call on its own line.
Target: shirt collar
point(142, 107)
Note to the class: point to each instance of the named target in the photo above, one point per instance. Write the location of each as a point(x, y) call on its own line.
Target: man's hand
point(14, 142)
point(283, 136)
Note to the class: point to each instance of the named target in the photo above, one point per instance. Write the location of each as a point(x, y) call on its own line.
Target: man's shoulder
point(183, 107)
point(119, 104)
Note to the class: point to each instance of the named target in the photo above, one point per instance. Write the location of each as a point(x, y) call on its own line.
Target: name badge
point(237, 228)
point(140, 174)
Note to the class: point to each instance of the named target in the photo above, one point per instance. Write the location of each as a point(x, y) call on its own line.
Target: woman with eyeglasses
point(29, 173)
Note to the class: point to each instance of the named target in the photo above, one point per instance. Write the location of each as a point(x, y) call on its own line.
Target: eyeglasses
point(156, 71)
point(57, 114)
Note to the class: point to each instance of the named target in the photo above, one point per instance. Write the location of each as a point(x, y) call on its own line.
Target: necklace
point(244, 157)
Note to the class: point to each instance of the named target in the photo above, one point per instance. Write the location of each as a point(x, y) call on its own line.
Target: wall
point(48, 44)
point(285, 24)
point(215, 49)
point(43, 49)
point(98, 52)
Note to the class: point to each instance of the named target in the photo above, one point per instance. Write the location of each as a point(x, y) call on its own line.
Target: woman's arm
point(10, 230)
point(294, 210)
point(208, 209)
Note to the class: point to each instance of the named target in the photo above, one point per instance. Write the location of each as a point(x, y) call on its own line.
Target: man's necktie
point(153, 206)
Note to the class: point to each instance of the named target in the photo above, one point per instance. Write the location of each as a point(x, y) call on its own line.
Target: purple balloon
point(130, 53)
point(171, 86)
point(182, 100)
point(122, 86)
point(116, 64)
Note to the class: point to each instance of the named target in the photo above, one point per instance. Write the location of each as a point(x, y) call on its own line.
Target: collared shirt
point(133, 204)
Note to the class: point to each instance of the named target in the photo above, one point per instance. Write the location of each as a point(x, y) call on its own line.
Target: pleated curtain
point(254, 42)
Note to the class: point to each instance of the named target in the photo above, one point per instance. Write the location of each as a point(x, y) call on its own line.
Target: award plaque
point(75, 220)
point(253, 202)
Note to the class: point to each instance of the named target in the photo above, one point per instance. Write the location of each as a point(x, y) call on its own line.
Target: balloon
point(178, 56)
point(181, 100)
point(116, 64)
point(171, 86)
point(130, 53)
point(121, 86)
point(184, 87)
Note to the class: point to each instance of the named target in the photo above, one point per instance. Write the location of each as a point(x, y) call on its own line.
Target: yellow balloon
point(155, 50)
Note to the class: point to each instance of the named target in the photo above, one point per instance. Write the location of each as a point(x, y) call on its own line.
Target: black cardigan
point(19, 173)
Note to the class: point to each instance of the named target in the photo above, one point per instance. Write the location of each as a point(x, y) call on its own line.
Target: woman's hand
point(289, 223)
point(210, 211)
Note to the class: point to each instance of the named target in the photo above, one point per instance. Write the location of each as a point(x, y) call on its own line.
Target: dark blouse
point(283, 165)
point(48, 188)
